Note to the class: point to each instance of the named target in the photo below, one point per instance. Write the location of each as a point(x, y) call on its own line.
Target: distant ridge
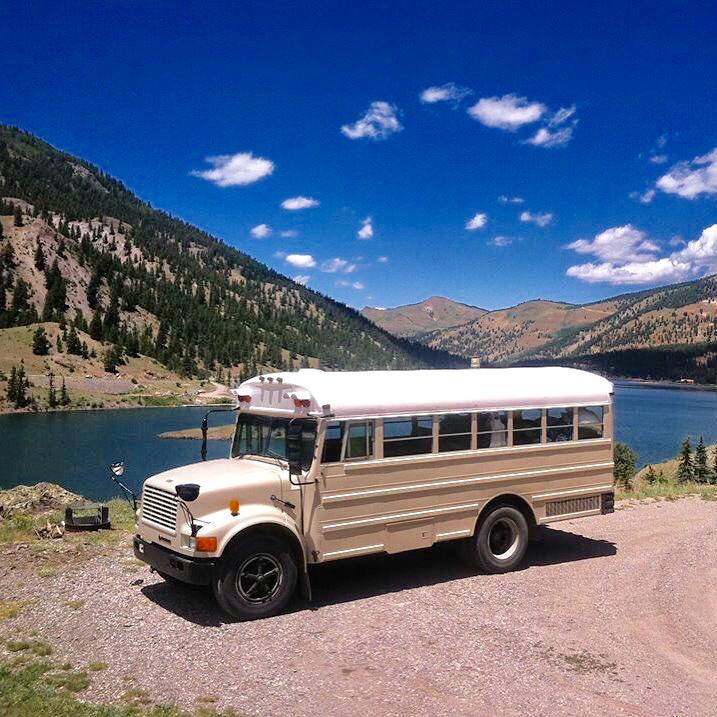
point(433, 313)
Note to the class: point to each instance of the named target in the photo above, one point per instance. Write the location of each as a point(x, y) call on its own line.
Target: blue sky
point(600, 119)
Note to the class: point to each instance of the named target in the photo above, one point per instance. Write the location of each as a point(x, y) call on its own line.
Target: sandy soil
point(610, 615)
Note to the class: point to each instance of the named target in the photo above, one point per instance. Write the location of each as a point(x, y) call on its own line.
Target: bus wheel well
point(274, 531)
point(513, 500)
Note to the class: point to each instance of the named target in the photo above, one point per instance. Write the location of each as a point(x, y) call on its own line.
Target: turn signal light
point(234, 507)
point(244, 399)
point(206, 544)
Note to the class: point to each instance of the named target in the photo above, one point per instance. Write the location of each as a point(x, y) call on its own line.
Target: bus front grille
point(572, 505)
point(159, 508)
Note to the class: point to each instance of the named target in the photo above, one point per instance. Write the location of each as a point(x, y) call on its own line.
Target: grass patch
point(667, 491)
point(75, 604)
point(97, 666)
point(10, 609)
point(35, 690)
point(37, 647)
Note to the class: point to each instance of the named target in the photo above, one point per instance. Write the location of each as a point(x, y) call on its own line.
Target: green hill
point(78, 248)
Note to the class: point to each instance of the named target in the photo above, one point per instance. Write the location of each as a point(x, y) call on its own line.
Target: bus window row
point(416, 435)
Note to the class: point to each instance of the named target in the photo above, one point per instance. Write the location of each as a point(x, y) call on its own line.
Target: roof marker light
point(302, 402)
point(244, 398)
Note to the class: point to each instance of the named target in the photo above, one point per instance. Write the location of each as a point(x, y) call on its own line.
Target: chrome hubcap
point(259, 578)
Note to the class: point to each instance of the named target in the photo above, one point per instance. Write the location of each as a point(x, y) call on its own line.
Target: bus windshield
point(266, 436)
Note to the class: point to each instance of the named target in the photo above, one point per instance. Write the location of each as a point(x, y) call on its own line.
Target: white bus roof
point(353, 394)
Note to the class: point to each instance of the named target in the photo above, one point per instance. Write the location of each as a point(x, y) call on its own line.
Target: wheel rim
point(503, 539)
point(259, 578)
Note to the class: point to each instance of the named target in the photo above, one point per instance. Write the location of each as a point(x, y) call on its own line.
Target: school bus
point(331, 465)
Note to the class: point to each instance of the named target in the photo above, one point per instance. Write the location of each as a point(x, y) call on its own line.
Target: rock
point(38, 498)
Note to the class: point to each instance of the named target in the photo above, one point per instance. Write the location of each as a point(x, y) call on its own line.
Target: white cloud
point(503, 199)
point(636, 262)
point(302, 279)
point(621, 244)
point(545, 138)
point(337, 264)
point(349, 284)
point(379, 122)
point(659, 158)
point(541, 219)
point(690, 179)
point(261, 231)
point(294, 203)
point(478, 221)
point(288, 233)
point(450, 92)
point(508, 112)
point(382, 260)
point(562, 115)
point(366, 230)
point(659, 270)
point(301, 261)
point(235, 170)
point(501, 241)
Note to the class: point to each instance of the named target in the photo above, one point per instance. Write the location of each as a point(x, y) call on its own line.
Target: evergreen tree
point(74, 345)
point(686, 470)
point(18, 217)
point(96, 325)
point(624, 459)
point(64, 396)
point(702, 471)
point(40, 342)
point(39, 257)
point(51, 394)
point(650, 475)
point(60, 348)
point(12, 386)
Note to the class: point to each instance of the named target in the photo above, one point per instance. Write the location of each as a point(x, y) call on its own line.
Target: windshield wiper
point(268, 454)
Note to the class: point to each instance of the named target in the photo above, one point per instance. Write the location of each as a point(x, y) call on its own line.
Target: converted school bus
point(331, 465)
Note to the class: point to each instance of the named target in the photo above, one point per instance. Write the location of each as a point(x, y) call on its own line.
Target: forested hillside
point(670, 317)
point(78, 248)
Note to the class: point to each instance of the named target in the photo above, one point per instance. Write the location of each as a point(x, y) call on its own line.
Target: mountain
point(412, 320)
point(79, 249)
point(666, 332)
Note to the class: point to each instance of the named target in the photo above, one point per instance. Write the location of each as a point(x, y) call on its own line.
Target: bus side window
point(332, 443)
point(590, 422)
point(359, 443)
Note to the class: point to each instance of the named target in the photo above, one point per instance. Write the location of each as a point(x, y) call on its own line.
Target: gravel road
point(612, 615)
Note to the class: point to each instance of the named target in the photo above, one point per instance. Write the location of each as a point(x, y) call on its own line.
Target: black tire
point(500, 542)
point(255, 578)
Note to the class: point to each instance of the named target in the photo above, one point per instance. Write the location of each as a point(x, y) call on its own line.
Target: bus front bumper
point(195, 571)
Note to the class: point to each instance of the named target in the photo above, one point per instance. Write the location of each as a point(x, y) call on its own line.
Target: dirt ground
point(612, 615)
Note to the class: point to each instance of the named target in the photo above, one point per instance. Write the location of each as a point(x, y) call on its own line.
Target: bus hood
point(218, 476)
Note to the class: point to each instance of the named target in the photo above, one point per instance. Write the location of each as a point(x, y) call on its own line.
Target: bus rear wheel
point(500, 542)
point(255, 578)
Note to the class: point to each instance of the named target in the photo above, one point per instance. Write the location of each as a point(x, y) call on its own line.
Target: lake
point(75, 448)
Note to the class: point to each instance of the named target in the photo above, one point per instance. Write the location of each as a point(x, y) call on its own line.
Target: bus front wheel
point(255, 578)
point(500, 542)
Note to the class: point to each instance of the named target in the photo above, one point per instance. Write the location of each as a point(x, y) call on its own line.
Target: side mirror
point(294, 447)
point(117, 469)
point(187, 492)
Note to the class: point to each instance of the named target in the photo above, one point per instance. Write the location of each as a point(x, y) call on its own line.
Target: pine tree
point(702, 471)
point(64, 396)
point(39, 257)
point(18, 217)
point(60, 348)
point(650, 475)
point(12, 386)
point(686, 470)
point(96, 325)
point(40, 342)
point(74, 345)
point(624, 465)
point(51, 395)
